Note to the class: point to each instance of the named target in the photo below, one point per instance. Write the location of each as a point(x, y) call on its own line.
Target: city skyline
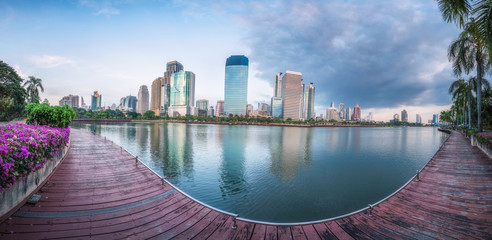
point(395, 61)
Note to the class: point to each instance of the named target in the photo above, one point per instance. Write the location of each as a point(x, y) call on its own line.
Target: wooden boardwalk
point(100, 192)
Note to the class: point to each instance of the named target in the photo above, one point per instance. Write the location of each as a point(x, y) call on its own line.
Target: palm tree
point(459, 89)
point(469, 53)
point(33, 84)
point(460, 11)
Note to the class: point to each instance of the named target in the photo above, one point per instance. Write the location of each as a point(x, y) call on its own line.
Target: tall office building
point(130, 103)
point(341, 111)
point(418, 119)
point(404, 116)
point(219, 108)
point(143, 100)
point(182, 94)
point(332, 114)
point(70, 100)
point(292, 95)
point(276, 104)
point(356, 114)
point(435, 118)
point(96, 101)
point(348, 114)
point(155, 100)
point(202, 107)
point(236, 85)
point(171, 67)
point(277, 86)
point(309, 102)
point(211, 111)
point(396, 117)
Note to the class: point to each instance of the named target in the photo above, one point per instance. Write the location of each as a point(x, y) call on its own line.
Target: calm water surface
point(279, 174)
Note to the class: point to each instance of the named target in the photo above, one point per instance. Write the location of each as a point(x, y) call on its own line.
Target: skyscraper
point(348, 114)
point(96, 100)
point(341, 111)
point(309, 102)
point(143, 100)
point(219, 108)
point(130, 104)
point(435, 118)
point(331, 114)
point(277, 86)
point(292, 95)
point(70, 100)
point(202, 106)
point(182, 93)
point(155, 101)
point(171, 67)
point(404, 116)
point(356, 114)
point(276, 107)
point(236, 85)
point(418, 118)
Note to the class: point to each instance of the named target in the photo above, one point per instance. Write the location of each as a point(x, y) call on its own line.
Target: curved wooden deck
point(99, 192)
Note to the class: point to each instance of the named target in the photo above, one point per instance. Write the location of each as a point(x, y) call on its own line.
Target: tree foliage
point(33, 85)
point(12, 94)
point(44, 114)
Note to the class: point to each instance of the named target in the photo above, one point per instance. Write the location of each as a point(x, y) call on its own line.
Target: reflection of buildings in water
point(142, 137)
point(179, 159)
point(290, 148)
point(233, 159)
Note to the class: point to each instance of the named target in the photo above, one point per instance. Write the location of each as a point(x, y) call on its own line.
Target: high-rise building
point(182, 94)
point(309, 102)
point(249, 107)
point(356, 114)
point(202, 107)
point(96, 101)
point(404, 116)
point(219, 108)
point(348, 114)
point(236, 85)
point(171, 67)
point(435, 118)
point(341, 111)
point(369, 117)
point(155, 100)
point(396, 117)
point(143, 100)
point(130, 103)
point(277, 86)
point(276, 107)
point(332, 114)
point(70, 100)
point(292, 95)
point(418, 118)
point(211, 111)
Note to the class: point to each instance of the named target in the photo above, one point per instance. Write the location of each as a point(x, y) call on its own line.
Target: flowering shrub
point(485, 138)
point(26, 148)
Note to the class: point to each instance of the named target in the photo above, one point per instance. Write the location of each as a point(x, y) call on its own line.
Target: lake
point(279, 174)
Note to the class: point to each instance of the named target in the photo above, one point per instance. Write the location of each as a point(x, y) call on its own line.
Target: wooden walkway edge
point(101, 192)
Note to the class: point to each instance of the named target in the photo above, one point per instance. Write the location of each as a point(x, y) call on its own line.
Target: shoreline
point(324, 125)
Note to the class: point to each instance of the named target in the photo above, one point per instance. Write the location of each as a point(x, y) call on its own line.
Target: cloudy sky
point(383, 55)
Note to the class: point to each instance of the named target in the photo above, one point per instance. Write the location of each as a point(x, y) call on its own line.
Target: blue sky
point(383, 55)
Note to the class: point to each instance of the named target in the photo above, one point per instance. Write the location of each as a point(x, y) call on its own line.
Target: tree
point(149, 115)
point(469, 53)
point(12, 94)
point(446, 116)
point(33, 85)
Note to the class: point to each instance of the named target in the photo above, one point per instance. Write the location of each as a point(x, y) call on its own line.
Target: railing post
point(417, 177)
point(136, 160)
point(234, 225)
point(370, 210)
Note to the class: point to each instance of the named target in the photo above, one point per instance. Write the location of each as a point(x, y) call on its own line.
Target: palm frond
point(455, 11)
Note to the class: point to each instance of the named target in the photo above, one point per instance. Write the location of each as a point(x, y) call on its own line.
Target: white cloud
point(47, 61)
point(19, 71)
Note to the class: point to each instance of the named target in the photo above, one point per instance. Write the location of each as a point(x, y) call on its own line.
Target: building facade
point(143, 100)
point(357, 111)
point(182, 94)
point(236, 85)
point(70, 100)
point(130, 104)
point(155, 100)
point(404, 116)
point(171, 67)
point(96, 101)
point(219, 108)
point(292, 93)
point(341, 111)
point(348, 114)
point(418, 118)
point(202, 107)
point(276, 107)
point(309, 102)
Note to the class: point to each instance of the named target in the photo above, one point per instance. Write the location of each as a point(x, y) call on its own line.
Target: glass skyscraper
point(276, 107)
point(236, 85)
point(182, 88)
point(309, 102)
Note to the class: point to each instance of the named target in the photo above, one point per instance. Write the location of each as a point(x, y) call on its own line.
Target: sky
point(384, 55)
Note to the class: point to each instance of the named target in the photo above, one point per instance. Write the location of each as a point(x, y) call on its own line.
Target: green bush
point(43, 114)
